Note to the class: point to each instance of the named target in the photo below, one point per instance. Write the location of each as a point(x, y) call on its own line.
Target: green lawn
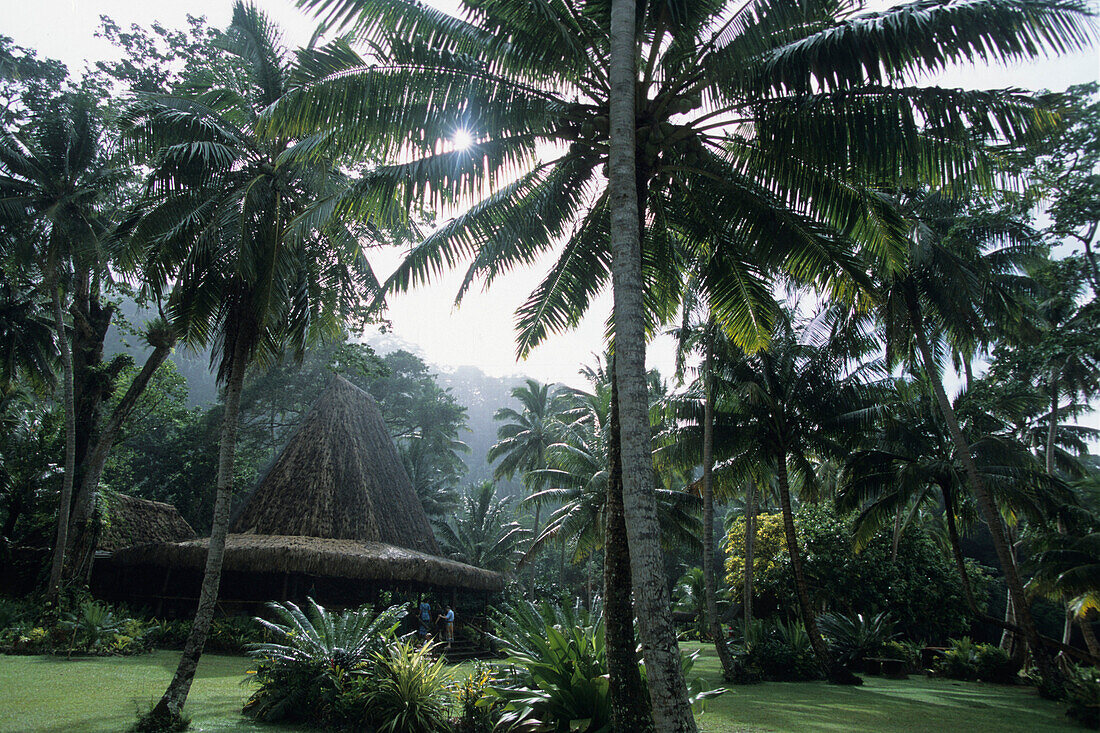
point(881, 705)
point(103, 694)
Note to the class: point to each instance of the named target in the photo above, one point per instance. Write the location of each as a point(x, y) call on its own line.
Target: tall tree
point(523, 439)
point(53, 180)
point(798, 405)
point(961, 285)
point(262, 269)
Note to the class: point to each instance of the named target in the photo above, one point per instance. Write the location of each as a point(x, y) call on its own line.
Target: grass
point(887, 706)
point(104, 694)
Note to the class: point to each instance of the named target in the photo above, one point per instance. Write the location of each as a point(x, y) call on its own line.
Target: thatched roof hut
point(339, 477)
point(134, 521)
point(335, 512)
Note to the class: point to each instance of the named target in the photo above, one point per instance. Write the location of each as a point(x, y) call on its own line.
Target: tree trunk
point(667, 690)
point(86, 519)
point(1090, 637)
point(535, 533)
point(176, 695)
point(629, 711)
point(709, 574)
point(53, 591)
point(1051, 682)
point(897, 534)
point(1052, 434)
point(809, 619)
point(750, 549)
point(956, 551)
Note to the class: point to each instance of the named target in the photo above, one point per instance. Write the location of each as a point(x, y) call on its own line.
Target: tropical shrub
point(921, 587)
point(92, 626)
point(408, 692)
point(777, 652)
point(235, 634)
point(479, 711)
point(966, 660)
point(562, 656)
point(561, 682)
point(1083, 695)
point(852, 638)
point(905, 651)
point(309, 668)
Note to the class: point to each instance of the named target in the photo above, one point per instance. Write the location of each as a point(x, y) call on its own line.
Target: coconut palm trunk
point(84, 518)
point(956, 551)
point(1090, 638)
point(53, 591)
point(809, 619)
point(667, 690)
point(985, 503)
point(629, 711)
point(175, 696)
point(750, 549)
point(709, 572)
point(1052, 433)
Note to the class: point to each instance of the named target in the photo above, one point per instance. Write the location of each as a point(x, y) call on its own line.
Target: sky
point(480, 332)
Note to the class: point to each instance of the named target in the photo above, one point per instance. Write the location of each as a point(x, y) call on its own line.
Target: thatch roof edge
point(352, 559)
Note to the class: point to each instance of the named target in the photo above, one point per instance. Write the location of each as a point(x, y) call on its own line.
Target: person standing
point(448, 620)
point(425, 619)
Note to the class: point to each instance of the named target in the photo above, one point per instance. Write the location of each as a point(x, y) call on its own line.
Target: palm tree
point(960, 285)
point(910, 463)
point(524, 437)
point(749, 127)
point(244, 221)
point(28, 341)
point(796, 407)
point(577, 477)
point(481, 534)
point(53, 179)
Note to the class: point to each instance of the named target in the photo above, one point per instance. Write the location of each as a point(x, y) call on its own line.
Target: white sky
point(480, 332)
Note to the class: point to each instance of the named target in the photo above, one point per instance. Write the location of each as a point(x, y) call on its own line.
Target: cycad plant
point(312, 654)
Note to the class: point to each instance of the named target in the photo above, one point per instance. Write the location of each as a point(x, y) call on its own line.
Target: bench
point(892, 668)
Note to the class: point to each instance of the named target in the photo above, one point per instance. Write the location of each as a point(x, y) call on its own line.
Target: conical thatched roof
point(339, 477)
point(133, 521)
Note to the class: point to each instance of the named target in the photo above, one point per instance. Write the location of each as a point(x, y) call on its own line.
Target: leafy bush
point(92, 626)
point(1083, 695)
point(777, 652)
point(562, 679)
point(905, 651)
point(310, 669)
point(966, 660)
point(408, 692)
point(478, 709)
point(852, 638)
point(921, 588)
point(14, 613)
point(234, 634)
point(165, 634)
